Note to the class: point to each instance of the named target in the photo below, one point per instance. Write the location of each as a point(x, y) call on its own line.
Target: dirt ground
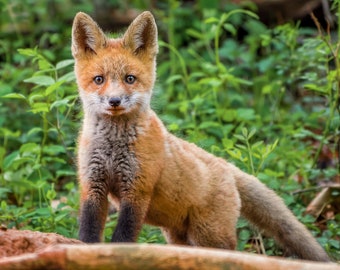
point(15, 242)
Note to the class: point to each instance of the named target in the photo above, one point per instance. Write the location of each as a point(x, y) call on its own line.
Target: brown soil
point(15, 242)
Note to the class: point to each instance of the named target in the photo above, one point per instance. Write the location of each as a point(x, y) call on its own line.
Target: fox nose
point(115, 101)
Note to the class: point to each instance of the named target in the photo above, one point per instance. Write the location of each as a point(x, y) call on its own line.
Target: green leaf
point(257, 144)
point(54, 149)
point(244, 235)
point(60, 217)
point(230, 28)
point(267, 89)
point(247, 12)
point(209, 124)
point(9, 133)
point(44, 65)
point(58, 103)
point(240, 137)
point(2, 153)
point(241, 146)
point(334, 243)
point(211, 20)
point(227, 143)
point(54, 159)
point(34, 131)
point(28, 52)
point(65, 173)
point(273, 146)
point(32, 99)
point(3, 204)
point(43, 212)
point(214, 82)
point(41, 80)
point(316, 88)
point(229, 115)
point(51, 194)
point(236, 154)
point(14, 95)
point(173, 127)
point(8, 160)
point(230, 78)
point(195, 34)
point(68, 77)
point(174, 78)
point(30, 147)
point(64, 63)
point(252, 132)
point(245, 133)
point(49, 90)
point(244, 114)
point(40, 107)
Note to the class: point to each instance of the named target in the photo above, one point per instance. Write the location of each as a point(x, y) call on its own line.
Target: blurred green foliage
point(266, 99)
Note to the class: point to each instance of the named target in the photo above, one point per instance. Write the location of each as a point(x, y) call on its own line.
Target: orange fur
point(125, 152)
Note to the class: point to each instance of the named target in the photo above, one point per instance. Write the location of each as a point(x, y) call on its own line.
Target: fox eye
point(130, 79)
point(98, 80)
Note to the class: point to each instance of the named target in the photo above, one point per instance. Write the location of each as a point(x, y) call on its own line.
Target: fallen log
point(150, 256)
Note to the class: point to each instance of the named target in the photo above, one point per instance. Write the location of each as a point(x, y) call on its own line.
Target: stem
point(325, 133)
point(333, 96)
point(15, 25)
point(44, 138)
point(260, 238)
point(181, 61)
point(171, 38)
point(260, 166)
point(217, 104)
point(220, 24)
point(250, 154)
point(333, 101)
point(57, 97)
point(59, 130)
point(338, 15)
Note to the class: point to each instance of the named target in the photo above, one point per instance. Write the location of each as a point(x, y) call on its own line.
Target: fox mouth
point(115, 110)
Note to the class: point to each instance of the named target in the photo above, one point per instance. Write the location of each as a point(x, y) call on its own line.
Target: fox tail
point(262, 207)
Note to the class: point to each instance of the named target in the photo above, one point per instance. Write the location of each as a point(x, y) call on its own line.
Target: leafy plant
point(32, 171)
point(222, 87)
point(266, 99)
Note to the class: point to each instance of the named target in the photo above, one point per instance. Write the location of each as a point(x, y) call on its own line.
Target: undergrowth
point(266, 99)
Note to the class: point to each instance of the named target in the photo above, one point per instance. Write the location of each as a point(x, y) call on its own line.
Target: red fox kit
point(126, 153)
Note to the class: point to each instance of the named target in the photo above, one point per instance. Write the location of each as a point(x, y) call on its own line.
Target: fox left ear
point(141, 35)
point(86, 35)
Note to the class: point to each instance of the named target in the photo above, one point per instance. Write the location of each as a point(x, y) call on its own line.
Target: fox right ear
point(86, 35)
point(141, 35)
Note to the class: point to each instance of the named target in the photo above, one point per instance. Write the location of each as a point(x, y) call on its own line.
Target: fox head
point(115, 76)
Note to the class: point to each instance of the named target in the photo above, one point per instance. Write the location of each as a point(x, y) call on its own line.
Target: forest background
point(263, 96)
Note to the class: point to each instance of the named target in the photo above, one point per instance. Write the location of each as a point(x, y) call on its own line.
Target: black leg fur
point(127, 227)
point(92, 221)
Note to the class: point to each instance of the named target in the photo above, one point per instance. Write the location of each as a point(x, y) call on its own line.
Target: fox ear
point(141, 35)
point(86, 35)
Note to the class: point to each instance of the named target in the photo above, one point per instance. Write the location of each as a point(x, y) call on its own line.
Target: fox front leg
point(133, 207)
point(93, 213)
point(128, 225)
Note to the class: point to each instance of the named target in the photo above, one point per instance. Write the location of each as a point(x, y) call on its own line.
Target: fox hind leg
point(213, 235)
point(215, 224)
point(175, 237)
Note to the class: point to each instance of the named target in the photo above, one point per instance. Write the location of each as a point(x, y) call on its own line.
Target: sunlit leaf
point(41, 80)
